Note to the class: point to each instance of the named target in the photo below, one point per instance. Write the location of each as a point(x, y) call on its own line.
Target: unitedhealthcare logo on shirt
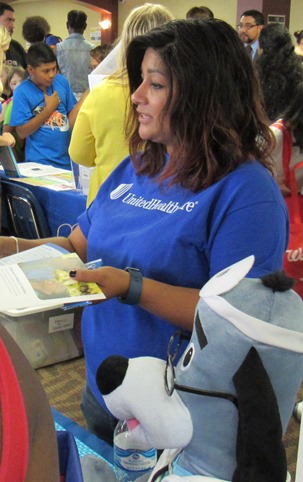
point(120, 191)
point(152, 204)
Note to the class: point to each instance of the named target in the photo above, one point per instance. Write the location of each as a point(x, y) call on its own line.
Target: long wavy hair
point(279, 68)
point(139, 21)
point(217, 118)
point(5, 39)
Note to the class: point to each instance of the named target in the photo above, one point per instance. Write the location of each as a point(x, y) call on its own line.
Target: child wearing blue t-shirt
point(44, 109)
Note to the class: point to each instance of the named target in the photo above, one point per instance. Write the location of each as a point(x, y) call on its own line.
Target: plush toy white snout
point(138, 393)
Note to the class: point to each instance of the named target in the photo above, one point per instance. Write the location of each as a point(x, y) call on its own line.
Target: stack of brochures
point(38, 279)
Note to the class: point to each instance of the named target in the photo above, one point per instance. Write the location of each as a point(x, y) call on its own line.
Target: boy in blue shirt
point(44, 109)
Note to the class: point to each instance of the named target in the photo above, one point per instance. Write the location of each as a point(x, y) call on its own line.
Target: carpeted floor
point(64, 381)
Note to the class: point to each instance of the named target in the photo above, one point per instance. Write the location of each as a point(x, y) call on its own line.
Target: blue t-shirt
point(177, 237)
point(48, 144)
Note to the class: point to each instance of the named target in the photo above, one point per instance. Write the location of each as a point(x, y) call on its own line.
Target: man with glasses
point(16, 54)
point(249, 28)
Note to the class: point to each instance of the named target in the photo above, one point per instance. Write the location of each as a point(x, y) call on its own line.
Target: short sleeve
point(21, 110)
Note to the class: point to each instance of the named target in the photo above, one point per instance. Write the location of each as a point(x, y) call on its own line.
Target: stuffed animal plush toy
point(221, 412)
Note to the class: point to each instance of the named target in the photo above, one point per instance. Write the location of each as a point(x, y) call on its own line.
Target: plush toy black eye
point(188, 356)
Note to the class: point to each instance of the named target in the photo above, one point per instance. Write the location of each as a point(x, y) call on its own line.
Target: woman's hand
point(7, 246)
point(174, 304)
point(114, 282)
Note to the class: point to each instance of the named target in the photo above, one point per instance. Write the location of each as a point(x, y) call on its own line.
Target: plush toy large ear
point(260, 452)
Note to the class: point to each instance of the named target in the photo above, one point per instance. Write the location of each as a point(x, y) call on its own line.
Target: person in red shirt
point(28, 443)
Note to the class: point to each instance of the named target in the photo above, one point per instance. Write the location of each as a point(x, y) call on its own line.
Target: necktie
point(249, 50)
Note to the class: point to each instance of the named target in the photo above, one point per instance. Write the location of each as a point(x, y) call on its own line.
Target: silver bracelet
point(17, 244)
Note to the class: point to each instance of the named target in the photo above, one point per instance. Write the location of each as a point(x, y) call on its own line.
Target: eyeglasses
point(246, 26)
point(170, 374)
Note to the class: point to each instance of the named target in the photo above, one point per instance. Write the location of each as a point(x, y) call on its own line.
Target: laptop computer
point(9, 162)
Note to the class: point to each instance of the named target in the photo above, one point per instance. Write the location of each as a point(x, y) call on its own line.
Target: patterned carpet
point(64, 381)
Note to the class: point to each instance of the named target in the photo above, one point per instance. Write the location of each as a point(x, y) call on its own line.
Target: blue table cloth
point(61, 208)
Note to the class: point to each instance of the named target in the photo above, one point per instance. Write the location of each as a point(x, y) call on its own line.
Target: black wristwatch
point(135, 287)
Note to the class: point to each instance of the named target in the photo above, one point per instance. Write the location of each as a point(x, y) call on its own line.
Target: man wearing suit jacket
point(249, 28)
point(16, 54)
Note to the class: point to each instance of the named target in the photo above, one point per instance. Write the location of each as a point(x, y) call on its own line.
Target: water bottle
point(131, 463)
point(297, 413)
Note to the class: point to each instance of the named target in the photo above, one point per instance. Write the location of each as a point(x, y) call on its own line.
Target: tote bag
point(293, 258)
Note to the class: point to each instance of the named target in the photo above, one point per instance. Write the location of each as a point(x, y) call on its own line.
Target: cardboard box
point(47, 337)
point(81, 175)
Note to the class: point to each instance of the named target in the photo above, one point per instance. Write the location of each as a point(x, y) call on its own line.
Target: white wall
point(55, 12)
point(226, 10)
point(296, 16)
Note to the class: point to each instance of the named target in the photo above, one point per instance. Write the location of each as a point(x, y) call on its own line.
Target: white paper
point(61, 322)
point(34, 169)
point(44, 282)
point(39, 252)
point(105, 68)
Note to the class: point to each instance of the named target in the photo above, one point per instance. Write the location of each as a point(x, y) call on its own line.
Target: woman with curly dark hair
point(280, 69)
point(35, 29)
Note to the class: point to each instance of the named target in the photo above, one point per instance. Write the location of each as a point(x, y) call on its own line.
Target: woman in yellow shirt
point(98, 134)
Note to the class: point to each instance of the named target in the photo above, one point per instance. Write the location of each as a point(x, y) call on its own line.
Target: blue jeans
point(98, 420)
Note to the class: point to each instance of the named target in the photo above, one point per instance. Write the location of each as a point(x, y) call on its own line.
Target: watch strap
point(135, 287)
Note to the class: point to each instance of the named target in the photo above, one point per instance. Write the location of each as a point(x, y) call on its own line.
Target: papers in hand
point(38, 279)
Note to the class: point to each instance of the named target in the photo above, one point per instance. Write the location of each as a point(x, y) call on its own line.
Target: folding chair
point(28, 219)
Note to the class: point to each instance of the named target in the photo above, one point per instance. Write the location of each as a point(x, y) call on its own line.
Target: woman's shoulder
point(253, 167)
point(277, 127)
point(253, 179)
point(109, 97)
point(110, 86)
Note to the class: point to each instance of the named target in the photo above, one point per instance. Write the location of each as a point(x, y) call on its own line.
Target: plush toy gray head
point(247, 342)
point(232, 392)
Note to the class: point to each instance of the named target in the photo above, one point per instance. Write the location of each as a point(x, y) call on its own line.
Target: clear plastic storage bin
point(46, 337)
